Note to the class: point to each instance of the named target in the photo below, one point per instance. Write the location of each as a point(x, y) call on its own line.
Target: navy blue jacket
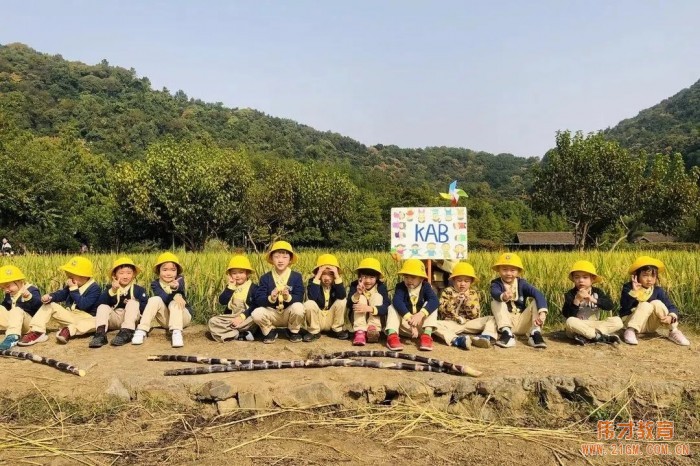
point(29, 306)
point(525, 290)
point(138, 293)
point(627, 302)
point(267, 284)
point(426, 299)
point(86, 302)
point(314, 292)
point(571, 310)
point(227, 294)
point(168, 297)
point(381, 289)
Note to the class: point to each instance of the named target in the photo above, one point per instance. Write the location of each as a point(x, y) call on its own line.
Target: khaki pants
point(587, 328)
point(78, 322)
point(318, 320)
point(396, 322)
point(15, 321)
point(361, 320)
point(172, 316)
point(449, 329)
point(520, 323)
point(267, 318)
point(646, 318)
point(114, 319)
point(221, 330)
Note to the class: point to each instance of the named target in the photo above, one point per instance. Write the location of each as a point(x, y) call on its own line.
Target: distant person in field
point(120, 306)
point(21, 301)
point(645, 307)
point(168, 307)
point(6, 248)
point(413, 310)
point(326, 300)
point(76, 316)
point(582, 306)
point(236, 323)
point(511, 312)
point(368, 302)
point(459, 311)
point(280, 295)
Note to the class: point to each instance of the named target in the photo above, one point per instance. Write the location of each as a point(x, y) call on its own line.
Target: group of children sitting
point(277, 301)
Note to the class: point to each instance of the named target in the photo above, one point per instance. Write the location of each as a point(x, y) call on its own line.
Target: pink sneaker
point(630, 336)
point(678, 338)
point(360, 338)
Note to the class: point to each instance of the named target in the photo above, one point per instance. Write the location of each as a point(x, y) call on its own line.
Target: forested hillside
point(113, 120)
point(671, 126)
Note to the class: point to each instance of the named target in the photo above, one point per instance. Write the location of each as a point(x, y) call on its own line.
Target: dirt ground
point(150, 433)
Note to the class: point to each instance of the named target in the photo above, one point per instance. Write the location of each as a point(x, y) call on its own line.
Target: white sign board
point(429, 232)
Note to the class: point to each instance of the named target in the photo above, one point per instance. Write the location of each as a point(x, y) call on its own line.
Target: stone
point(246, 400)
point(215, 390)
point(227, 406)
point(263, 399)
point(313, 394)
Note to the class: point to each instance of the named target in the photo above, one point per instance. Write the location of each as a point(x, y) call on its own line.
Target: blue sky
point(497, 76)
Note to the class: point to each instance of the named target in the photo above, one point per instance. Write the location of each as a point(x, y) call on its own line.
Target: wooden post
point(430, 271)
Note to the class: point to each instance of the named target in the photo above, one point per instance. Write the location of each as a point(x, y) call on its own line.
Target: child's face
point(12, 287)
point(239, 276)
point(582, 280)
point(368, 281)
point(327, 278)
point(124, 275)
point(167, 272)
point(80, 281)
point(412, 282)
point(281, 259)
point(647, 278)
point(461, 283)
point(508, 273)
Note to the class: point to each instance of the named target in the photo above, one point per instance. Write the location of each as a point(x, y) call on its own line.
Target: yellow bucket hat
point(10, 273)
point(79, 266)
point(584, 266)
point(646, 260)
point(510, 259)
point(464, 269)
point(167, 257)
point(240, 262)
point(125, 261)
point(413, 267)
point(370, 263)
point(326, 259)
point(282, 246)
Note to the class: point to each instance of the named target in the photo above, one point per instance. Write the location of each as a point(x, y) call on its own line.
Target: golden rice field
point(204, 273)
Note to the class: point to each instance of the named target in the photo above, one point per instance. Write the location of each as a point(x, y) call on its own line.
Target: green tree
point(588, 180)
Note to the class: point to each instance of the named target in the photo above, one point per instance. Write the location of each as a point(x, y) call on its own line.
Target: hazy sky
point(498, 76)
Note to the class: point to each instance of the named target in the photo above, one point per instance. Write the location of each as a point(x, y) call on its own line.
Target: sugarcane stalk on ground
point(62, 366)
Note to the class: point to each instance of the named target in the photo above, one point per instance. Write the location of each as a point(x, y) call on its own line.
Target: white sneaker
point(177, 339)
point(506, 340)
point(630, 336)
point(678, 338)
point(138, 337)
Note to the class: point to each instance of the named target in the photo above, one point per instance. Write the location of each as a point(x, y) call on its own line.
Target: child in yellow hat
point(238, 298)
point(280, 295)
point(169, 305)
point(325, 306)
point(369, 301)
point(511, 313)
point(582, 306)
point(645, 307)
point(80, 296)
point(413, 310)
point(120, 305)
point(20, 303)
point(459, 309)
